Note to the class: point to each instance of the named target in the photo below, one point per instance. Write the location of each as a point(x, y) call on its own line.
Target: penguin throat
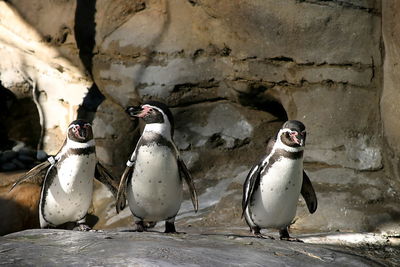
point(74, 144)
point(163, 129)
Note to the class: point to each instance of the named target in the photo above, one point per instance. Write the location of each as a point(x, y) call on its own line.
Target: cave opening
point(20, 132)
point(259, 98)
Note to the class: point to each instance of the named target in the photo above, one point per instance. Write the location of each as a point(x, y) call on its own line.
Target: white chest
point(275, 201)
point(155, 189)
point(70, 194)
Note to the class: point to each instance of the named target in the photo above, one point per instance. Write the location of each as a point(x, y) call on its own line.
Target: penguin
point(272, 187)
point(67, 180)
point(152, 180)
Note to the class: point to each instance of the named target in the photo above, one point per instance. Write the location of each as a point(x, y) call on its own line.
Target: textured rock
point(357, 147)
point(232, 71)
point(174, 64)
point(155, 249)
point(366, 202)
point(114, 135)
point(36, 65)
point(390, 111)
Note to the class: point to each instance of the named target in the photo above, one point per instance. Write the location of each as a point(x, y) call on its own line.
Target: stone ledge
point(60, 247)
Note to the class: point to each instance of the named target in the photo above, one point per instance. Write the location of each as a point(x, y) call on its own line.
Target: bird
point(66, 180)
point(152, 180)
point(273, 185)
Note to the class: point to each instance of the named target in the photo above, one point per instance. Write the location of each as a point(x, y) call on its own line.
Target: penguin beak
point(81, 132)
point(298, 138)
point(137, 112)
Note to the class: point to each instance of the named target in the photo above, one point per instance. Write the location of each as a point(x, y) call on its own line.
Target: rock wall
point(232, 72)
point(391, 93)
point(31, 67)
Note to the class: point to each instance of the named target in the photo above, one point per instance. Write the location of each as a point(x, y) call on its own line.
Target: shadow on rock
point(19, 209)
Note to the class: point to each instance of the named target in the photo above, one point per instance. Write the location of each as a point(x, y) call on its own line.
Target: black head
point(80, 131)
point(152, 112)
point(293, 133)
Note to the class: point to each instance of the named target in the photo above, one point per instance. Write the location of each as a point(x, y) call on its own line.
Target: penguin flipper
point(120, 203)
point(104, 176)
point(183, 171)
point(33, 174)
point(308, 193)
point(253, 178)
point(249, 186)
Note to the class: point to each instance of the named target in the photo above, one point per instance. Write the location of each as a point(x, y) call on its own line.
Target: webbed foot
point(284, 235)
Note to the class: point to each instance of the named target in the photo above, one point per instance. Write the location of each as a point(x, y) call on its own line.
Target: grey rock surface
point(390, 111)
point(232, 71)
point(70, 248)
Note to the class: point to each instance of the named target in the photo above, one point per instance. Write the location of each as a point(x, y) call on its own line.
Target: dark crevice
point(372, 69)
point(189, 103)
point(198, 53)
point(189, 86)
point(193, 2)
point(282, 58)
point(261, 101)
point(341, 3)
point(23, 111)
point(90, 103)
point(215, 141)
point(85, 34)
point(301, 84)
point(7, 99)
point(85, 31)
point(225, 51)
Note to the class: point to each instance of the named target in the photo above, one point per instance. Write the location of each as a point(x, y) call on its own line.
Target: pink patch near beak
point(78, 135)
point(143, 112)
point(295, 139)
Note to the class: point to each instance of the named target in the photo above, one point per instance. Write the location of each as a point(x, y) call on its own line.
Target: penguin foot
point(257, 233)
point(170, 228)
point(148, 225)
point(291, 239)
point(140, 227)
point(82, 227)
point(284, 235)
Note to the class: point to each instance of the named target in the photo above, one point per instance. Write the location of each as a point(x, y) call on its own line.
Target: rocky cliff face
point(232, 72)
